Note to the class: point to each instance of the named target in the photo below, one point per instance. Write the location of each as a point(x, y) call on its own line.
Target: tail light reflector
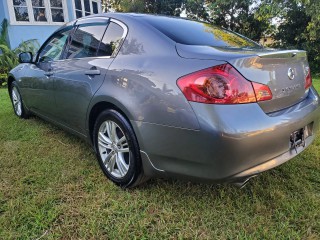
point(221, 84)
point(263, 92)
point(308, 81)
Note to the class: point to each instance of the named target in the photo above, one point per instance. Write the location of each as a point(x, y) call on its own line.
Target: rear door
point(82, 72)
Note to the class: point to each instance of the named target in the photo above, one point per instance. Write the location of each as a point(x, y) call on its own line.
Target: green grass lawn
point(51, 187)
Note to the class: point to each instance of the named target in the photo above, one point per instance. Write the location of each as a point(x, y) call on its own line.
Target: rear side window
point(199, 33)
point(111, 40)
point(85, 41)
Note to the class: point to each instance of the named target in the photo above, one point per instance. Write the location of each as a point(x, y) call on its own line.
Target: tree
point(197, 10)
point(298, 27)
point(291, 31)
point(128, 5)
point(165, 7)
point(238, 16)
point(312, 9)
point(298, 20)
point(4, 32)
point(312, 33)
point(9, 57)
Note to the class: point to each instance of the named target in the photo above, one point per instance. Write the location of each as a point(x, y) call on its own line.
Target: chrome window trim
point(115, 52)
point(92, 21)
point(124, 35)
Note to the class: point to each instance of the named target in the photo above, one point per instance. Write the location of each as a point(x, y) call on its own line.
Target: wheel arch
point(10, 80)
point(100, 106)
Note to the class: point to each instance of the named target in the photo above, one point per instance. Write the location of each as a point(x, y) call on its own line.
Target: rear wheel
point(17, 102)
point(117, 149)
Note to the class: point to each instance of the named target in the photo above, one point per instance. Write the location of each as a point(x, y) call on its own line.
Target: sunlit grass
point(51, 186)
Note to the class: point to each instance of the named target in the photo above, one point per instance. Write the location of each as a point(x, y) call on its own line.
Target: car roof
point(128, 16)
point(124, 17)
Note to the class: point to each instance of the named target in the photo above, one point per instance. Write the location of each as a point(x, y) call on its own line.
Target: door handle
point(48, 74)
point(92, 72)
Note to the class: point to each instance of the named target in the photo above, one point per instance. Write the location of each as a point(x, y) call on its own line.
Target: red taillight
point(263, 92)
point(308, 81)
point(221, 84)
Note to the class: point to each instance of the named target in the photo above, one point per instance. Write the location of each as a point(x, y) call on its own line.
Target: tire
point(17, 103)
point(117, 149)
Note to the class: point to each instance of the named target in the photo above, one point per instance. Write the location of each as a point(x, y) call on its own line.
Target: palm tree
point(8, 57)
point(4, 32)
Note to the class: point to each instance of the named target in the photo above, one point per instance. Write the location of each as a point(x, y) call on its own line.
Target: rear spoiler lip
point(214, 53)
point(209, 53)
point(283, 54)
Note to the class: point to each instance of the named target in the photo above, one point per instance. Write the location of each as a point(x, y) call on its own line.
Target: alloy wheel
point(16, 99)
point(114, 149)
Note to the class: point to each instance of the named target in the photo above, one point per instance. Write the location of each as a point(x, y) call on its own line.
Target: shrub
point(8, 57)
point(3, 76)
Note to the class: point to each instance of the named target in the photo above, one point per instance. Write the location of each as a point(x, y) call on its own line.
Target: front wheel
point(117, 149)
point(17, 102)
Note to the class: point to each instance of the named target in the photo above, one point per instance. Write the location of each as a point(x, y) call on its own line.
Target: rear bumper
point(234, 141)
point(272, 163)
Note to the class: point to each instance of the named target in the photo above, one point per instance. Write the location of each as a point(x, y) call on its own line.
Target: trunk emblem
point(291, 73)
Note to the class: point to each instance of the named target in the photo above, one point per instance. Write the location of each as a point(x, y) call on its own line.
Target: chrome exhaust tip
point(242, 184)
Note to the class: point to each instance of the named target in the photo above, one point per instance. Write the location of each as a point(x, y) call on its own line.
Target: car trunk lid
point(284, 72)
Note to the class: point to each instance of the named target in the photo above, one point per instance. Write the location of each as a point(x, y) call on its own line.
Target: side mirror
point(25, 57)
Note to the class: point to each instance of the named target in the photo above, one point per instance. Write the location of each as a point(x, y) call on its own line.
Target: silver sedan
point(164, 96)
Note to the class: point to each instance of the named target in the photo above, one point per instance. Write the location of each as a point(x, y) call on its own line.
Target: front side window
point(38, 11)
point(111, 40)
point(54, 48)
point(85, 41)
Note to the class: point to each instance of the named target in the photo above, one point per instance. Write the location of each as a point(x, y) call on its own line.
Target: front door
point(39, 84)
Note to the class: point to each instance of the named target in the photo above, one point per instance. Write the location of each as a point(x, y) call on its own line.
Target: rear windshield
point(199, 33)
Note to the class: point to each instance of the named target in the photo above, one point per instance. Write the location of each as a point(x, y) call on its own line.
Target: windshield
point(199, 33)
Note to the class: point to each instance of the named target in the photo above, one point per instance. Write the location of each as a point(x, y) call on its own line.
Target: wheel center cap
point(114, 147)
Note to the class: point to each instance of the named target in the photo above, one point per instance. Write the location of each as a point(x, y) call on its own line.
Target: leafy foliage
point(165, 7)
point(238, 16)
point(8, 57)
point(298, 21)
point(298, 26)
point(197, 10)
point(4, 32)
point(234, 15)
